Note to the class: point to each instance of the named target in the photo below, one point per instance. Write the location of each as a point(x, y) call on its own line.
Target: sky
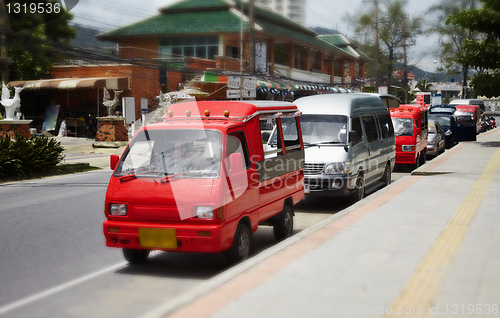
point(110, 14)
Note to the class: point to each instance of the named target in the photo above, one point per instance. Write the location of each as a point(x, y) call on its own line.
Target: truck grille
point(313, 168)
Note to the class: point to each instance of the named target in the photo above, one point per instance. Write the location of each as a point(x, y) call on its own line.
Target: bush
point(29, 157)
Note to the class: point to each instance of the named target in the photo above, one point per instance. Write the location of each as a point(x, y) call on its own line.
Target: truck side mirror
point(265, 136)
point(235, 163)
point(353, 135)
point(113, 161)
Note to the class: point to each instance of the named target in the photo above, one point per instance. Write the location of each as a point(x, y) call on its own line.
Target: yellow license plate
point(157, 238)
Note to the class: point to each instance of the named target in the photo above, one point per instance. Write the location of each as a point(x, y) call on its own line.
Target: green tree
point(395, 29)
point(34, 41)
point(483, 54)
point(452, 37)
point(423, 85)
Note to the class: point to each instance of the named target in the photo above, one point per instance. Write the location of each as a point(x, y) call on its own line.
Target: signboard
point(234, 82)
point(128, 104)
point(249, 93)
point(261, 56)
point(383, 90)
point(144, 106)
point(250, 83)
point(233, 93)
point(424, 99)
point(436, 99)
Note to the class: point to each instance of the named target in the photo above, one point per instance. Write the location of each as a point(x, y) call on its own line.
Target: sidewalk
point(80, 150)
point(427, 245)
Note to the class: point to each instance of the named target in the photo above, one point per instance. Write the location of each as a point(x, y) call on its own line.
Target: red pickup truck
point(201, 182)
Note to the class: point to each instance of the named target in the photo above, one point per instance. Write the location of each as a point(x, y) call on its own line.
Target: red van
point(468, 122)
point(201, 182)
point(411, 130)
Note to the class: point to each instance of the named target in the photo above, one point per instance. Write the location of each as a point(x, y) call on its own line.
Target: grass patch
point(61, 169)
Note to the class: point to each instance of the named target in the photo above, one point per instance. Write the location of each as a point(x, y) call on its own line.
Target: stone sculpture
point(10, 104)
point(110, 103)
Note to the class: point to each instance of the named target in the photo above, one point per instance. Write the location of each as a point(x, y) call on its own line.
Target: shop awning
point(119, 83)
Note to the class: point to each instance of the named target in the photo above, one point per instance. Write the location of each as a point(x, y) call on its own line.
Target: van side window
point(370, 128)
point(386, 125)
point(236, 143)
point(356, 126)
point(290, 133)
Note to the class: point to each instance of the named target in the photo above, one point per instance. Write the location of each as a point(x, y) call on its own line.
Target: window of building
point(199, 46)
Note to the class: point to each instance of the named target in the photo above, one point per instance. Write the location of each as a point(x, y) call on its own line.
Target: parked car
point(349, 144)
point(436, 139)
point(444, 115)
point(200, 181)
point(410, 126)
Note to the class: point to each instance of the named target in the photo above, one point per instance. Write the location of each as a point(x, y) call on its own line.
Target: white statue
point(163, 100)
point(110, 103)
point(10, 104)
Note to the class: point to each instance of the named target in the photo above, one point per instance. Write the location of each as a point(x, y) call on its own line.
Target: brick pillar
point(305, 59)
point(352, 69)
point(318, 61)
point(290, 54)
point(270, 56)
point(331, 68)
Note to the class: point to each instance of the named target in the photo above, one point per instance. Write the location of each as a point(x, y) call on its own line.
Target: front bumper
point(188, 236)
point(329, 185)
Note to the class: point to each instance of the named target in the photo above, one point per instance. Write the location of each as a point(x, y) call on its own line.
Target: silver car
point(436, 139)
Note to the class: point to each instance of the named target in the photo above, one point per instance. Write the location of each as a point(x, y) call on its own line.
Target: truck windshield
point(182, 153)
point(465, 118)
point(403, 126)
point(324, 129)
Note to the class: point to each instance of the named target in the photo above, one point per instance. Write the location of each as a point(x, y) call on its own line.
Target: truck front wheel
point(242, 245)
point(135, 256)
point(283, 227)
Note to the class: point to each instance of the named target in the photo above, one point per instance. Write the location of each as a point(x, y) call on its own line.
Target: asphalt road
point(54, 262)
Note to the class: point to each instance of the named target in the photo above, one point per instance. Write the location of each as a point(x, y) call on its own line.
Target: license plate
point(306, 188)
point(157, 238)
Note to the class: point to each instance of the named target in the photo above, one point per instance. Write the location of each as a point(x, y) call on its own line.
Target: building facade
point(294, 10)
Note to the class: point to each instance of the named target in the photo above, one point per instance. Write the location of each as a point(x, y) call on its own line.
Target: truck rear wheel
point(283, 227)
point(135, 256)
point(242, 245)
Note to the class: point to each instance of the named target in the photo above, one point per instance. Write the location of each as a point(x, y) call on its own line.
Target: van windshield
point(184, 153)
point(465, 118)
point(402, 126)
point(324, 129)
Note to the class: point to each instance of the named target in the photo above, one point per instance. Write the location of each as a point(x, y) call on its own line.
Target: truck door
point(242, 177)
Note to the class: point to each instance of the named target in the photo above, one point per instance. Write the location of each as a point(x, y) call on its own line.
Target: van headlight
point(204, 212)
point(338, 168)
point(119, 209)
point(408, 148)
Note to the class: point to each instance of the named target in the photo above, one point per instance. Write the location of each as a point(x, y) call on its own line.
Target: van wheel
point(135, 256)
point(283, 227)
point(242, 245)
point(387, 175)
point(360, 188)
point(423, 159)
point(416, 165)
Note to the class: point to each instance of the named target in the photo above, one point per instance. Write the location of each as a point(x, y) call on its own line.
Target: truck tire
point(242, 245)
point(135, 256)
point(283, 227)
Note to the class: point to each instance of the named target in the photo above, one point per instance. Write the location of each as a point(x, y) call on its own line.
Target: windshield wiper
point(134, 175)
point(322, 143)
point(192, 172)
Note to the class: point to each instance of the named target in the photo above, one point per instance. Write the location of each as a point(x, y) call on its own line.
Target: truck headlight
point(338, 168)
point(448, 133)
point(118, 209)
point(408, 148)
point(204, 212)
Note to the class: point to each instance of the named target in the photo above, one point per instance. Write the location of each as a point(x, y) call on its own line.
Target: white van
point(349, 143)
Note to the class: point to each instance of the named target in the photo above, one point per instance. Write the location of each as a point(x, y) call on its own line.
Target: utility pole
point(4, 59)
point(375, 2)
point(251, 35)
